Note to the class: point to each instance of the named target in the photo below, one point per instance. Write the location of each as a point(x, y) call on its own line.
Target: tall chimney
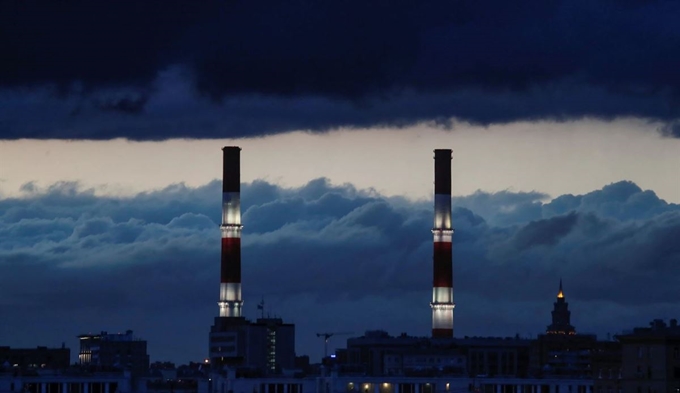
point(442, 285)
point(230, 302)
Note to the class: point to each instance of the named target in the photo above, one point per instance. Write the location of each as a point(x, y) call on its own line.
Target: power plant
point(231, 304)
point(261, 347)
point(232, 339)
point(259, 356)
point(231, 333)
point(442, 284)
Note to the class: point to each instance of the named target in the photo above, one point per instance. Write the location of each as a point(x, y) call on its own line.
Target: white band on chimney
point(231, 208)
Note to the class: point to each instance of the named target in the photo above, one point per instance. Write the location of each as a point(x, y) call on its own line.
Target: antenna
point(260, 306)
point(326, 337)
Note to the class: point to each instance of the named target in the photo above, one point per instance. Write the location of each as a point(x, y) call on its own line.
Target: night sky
point(563, 117)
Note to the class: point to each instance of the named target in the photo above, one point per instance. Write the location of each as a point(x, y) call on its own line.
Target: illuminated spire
point(560, 294)
point(561, 316)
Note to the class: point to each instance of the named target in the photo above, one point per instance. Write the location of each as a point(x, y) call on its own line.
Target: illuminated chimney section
point(230, 302)
point(442, 286)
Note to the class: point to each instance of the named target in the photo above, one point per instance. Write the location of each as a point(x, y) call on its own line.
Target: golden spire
point(560, 294)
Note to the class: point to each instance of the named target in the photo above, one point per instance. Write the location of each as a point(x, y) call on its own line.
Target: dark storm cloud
point(80, 262)
point(130, 105)
point(280, 66)
point(623, 201)
point(544, 232)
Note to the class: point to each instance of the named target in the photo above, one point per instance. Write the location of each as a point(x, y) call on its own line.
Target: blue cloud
point(80, 262)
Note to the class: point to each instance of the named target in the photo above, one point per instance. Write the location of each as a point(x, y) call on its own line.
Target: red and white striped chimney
point(442, 285)
point(230, 302)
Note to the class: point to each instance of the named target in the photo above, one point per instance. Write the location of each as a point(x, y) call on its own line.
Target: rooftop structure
point(561, 316)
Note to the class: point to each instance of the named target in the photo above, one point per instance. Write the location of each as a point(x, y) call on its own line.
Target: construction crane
point(326, 337)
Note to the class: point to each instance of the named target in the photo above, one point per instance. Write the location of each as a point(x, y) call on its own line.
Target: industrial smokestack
point(230, 302)
point(442, 285)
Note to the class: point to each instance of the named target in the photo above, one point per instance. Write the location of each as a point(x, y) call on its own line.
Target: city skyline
point(122, 250)
point(562, 116)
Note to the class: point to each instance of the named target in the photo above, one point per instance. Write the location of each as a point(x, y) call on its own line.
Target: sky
point(563, 117)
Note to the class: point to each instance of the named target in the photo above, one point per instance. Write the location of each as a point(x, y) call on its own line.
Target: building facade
point(113, 351)
point(363, 384)
point(263, 347)
point(376, 353)
point(36, 358)
point(651, 358)
point(121, 382)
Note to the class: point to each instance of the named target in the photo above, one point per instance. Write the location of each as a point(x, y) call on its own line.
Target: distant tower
point(267, 345)
point(229, 333)
point(561, 316)
point(442, 285)
point(230, 302)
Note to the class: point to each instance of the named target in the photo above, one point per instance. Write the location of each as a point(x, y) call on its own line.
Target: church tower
point(561, 316)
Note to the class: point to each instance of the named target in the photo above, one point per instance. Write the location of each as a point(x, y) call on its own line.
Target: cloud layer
point(223, 69)
point(328, 258)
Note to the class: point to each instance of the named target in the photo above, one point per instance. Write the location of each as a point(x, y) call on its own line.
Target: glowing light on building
point(561, 316)
point(442, 286)
point(231, 303)
point(560, 294)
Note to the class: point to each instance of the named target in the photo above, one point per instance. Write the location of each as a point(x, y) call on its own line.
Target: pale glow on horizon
point(554, 158)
